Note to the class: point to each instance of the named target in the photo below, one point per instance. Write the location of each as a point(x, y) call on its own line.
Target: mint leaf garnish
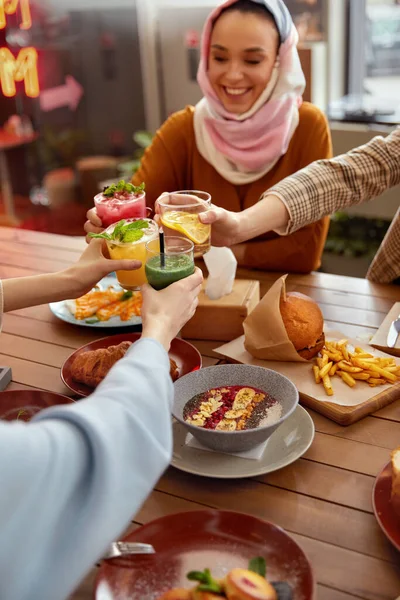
point(126, 295)
point(258, 565)
point(140, 224)
point(197, 576)
point(117, 233)
point(134, 235)
point(124, 232)
point(105, 236)
point(121, 187)
point(210, 587)
point(206, 581)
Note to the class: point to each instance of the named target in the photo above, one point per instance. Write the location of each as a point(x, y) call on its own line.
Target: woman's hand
point(164, 313)
point(230, 228)
point(93, 266)
point(93, 223)
point(225, 226)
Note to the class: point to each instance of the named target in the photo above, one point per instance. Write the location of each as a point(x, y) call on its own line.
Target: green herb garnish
point(91, 321)
point(258, 565)
point(124, 232)
point(206, 582)
point(121, 187)
point(126, 295)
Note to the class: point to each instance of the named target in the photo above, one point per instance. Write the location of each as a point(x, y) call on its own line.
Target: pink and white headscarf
point(243, 148)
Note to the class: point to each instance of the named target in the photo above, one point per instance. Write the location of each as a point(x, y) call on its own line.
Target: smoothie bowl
point(233, 408)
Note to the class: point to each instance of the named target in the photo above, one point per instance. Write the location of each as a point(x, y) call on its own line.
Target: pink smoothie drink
point(120, 201)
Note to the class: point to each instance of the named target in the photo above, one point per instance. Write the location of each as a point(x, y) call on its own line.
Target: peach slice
point(177, 594)
point(241, 584)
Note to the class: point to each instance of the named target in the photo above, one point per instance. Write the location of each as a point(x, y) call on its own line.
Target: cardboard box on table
point(222, 319)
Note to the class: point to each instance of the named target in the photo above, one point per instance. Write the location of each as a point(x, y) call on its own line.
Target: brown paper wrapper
point(265, 335)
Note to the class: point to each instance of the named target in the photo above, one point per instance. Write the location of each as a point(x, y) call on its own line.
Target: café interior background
point(109, 73)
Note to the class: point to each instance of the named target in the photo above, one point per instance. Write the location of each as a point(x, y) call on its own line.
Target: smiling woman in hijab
point(248, 132)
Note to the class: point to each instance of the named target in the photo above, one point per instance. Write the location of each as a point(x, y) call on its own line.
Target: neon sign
point(23, 67)
point(10, 7)
point(20, 68)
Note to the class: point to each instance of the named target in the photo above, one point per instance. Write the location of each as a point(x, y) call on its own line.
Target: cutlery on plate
point(393, 334)
point(127, 549)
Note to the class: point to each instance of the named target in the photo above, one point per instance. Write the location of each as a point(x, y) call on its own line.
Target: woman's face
point(243, 51)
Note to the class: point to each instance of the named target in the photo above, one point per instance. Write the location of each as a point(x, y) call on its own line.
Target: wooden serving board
point(347, 415)
point(364, 399)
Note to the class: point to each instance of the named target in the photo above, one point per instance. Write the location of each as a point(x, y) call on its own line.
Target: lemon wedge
point(188, 224)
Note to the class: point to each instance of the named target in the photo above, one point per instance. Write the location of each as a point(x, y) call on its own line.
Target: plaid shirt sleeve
point(358, 176)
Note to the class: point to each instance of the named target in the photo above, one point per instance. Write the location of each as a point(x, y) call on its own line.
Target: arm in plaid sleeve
point(386, 264)
point(328, 185)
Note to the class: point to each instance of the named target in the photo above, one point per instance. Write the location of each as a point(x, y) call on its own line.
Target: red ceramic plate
point(220, 540)
point(384, 513)
point(23, 404)
point(186, 356)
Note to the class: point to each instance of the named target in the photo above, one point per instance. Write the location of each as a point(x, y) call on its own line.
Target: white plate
point(290, 441)
point(61, 310)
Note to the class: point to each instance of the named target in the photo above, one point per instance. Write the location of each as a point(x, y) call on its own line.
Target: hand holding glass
point(175, 263)
point(179, 213)
point(136, 250)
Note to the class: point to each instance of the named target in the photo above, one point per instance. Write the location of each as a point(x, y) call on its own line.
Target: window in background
point(374, 59)
point(90, 102)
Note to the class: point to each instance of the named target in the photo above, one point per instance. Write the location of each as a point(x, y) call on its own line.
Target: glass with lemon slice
point(179, 212)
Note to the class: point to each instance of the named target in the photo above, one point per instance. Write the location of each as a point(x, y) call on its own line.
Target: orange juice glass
point(132, 280)
point(179, 212)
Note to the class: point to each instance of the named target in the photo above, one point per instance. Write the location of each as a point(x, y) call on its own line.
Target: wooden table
point(323, 500)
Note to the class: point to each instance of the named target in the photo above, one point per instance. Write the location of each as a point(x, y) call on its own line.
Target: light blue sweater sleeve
point(72, 479)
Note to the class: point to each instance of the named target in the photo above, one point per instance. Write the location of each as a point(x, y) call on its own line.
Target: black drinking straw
point(162, 250)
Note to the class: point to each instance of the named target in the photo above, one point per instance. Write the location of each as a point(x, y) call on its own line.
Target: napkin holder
point(222, 319)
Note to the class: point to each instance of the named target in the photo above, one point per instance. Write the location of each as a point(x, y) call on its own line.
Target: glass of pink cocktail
point(121, 201)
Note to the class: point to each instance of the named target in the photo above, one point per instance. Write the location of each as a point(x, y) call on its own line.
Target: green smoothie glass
point(176, 262)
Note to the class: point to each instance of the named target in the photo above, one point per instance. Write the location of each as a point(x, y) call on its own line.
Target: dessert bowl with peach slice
point(238, 584)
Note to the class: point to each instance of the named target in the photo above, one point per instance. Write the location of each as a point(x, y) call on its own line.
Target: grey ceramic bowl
point(275, 384)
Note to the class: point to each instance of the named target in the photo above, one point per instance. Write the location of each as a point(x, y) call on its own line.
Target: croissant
point(173, 369)
point(92, 366)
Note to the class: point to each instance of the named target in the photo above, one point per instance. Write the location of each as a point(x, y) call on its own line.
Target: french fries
point(353, 367)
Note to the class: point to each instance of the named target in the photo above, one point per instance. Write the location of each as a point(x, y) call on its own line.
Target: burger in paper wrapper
point(284, 326)
point(304, 323)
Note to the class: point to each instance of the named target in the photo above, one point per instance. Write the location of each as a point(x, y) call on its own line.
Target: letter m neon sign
point(10, 7)
point(22, 68)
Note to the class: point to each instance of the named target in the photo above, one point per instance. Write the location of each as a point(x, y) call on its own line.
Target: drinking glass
point(179, 213)
point(176, 262)
point(125, 206)
point(132, 280)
